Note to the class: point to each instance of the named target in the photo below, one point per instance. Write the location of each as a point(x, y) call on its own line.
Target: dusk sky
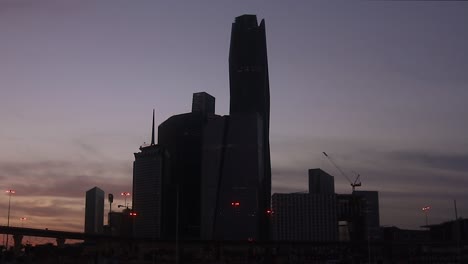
point(381, 86)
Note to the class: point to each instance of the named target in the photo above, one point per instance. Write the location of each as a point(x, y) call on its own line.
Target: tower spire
point(152, 130)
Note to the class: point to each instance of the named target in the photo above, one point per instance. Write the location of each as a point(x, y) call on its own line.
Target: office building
point(203, 103)
point(351, 217)
point(122, 224)
point(148, 169)
point(307, 216)
point(239, 210)
point(217, 182)
point(450, 231)
point(212, 160)
point(371, 213)
point(181, 136)
point(304, 217)
point(94, 211)
point(321, 182)
point(358, 216)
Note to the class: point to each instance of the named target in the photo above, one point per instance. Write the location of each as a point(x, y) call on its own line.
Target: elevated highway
point(19, 232)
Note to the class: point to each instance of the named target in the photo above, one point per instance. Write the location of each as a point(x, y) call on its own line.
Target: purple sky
point(381, 86)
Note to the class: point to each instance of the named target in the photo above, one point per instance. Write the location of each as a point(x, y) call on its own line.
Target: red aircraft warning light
point(269, 212)
point(133, 214)
point(235, 204)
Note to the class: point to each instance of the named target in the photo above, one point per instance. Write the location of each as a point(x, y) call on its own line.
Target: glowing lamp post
point(425, 209)
point(125, 194)
point(22, 220)
point(9, 192)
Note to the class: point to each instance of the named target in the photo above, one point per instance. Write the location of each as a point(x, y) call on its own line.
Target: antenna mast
point(152, 131)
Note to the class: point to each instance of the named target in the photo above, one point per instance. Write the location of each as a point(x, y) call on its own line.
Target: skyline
point(341, 77)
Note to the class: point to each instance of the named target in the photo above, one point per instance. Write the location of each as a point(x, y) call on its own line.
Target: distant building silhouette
point(321, 182)
point(351, 217)
point(240, 176)
point(358, 216)
point(122, 224)
point(450, 231)
point(395, 234)
point(203, 103)
point(94, 211)
point(212, 163)
point(307, 216)
point(216, 180)
point(304, 217)
point(148, 169)
point(181, 135)
point(322, 215)
point(232, 170)
point(371, 213)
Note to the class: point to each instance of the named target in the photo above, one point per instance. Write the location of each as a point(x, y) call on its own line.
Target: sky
point(381, 86)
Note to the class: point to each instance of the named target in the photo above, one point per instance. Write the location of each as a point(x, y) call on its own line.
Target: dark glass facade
point(239, 200)
point(243, 171)
point(216, 182)
point(181, 135)
point(248, 69)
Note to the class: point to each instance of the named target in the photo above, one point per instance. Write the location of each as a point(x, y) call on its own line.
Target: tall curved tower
point(248, 69)
point(244, 192)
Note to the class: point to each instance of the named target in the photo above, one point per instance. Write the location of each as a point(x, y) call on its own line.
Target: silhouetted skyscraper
point(148, 170)
point(94, 211)
point(248, 69)
point(214, 136)
point(243, 171)
point(218, 181)
point(181, 135)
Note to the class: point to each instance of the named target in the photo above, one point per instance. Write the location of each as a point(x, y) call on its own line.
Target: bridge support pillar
point(18, 239)
point(60, 242)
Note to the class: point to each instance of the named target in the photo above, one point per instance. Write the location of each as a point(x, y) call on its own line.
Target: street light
point(22, 221)
point(425, 209)
point(10, 192)
point(125, 194)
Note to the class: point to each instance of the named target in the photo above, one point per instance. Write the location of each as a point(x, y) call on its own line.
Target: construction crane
point(355, 183)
